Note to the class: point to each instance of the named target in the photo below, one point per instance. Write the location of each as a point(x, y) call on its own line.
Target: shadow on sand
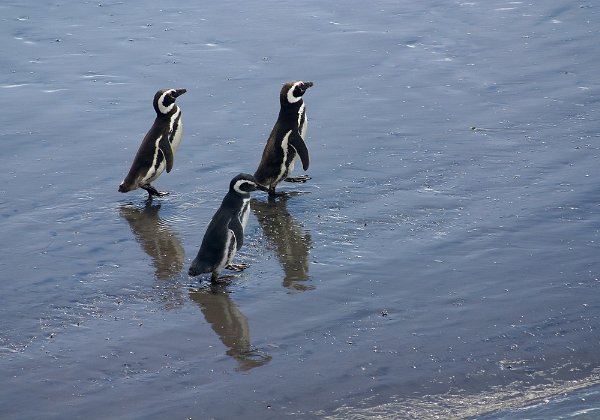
point(230, 325)
point(156, 237)
point(290, 241)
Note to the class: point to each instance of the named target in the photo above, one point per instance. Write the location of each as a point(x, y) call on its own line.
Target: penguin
point(225, 232)
point(286, 141)
point(159, 145)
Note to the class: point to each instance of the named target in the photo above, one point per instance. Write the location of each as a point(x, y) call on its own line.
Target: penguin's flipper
point(238, 231)
point(165, 147)
point(297, 142)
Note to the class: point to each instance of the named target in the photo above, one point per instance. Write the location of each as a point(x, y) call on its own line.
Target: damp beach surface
point(443, 261)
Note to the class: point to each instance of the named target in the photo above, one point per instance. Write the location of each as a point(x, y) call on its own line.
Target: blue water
point(441, 262)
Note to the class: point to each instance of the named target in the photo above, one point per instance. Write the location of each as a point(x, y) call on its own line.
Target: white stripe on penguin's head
point(166, 102)
point(244, 186)
point(290, 93)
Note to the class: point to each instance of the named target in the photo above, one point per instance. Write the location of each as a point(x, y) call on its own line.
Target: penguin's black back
point(270, 163)
point(144, 157)
point(213, 244)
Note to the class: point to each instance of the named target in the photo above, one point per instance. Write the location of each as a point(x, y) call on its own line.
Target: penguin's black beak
point(179, 92)
point(305, 85)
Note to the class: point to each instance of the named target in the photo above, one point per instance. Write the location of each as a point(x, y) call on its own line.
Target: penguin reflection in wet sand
point(286, 141)
point(225, 233)
point(158, 148)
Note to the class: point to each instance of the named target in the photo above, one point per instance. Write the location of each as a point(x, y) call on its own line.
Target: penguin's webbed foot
point(300, 178)
point(236, 267)
point(217, 280)
point(153, 191)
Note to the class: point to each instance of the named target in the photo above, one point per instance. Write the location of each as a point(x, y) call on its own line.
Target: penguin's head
point(244, 184)
point(292, 92)
point(164, 100)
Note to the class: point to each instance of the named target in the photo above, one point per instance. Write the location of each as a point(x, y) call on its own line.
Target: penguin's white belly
point(304, 126)
point(229, 250)
point(177, 137)
point(245, 214)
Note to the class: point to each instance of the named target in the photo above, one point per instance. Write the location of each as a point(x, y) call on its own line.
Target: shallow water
point(442, 261)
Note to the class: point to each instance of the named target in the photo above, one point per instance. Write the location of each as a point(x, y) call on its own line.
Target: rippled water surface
point(442, 261)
